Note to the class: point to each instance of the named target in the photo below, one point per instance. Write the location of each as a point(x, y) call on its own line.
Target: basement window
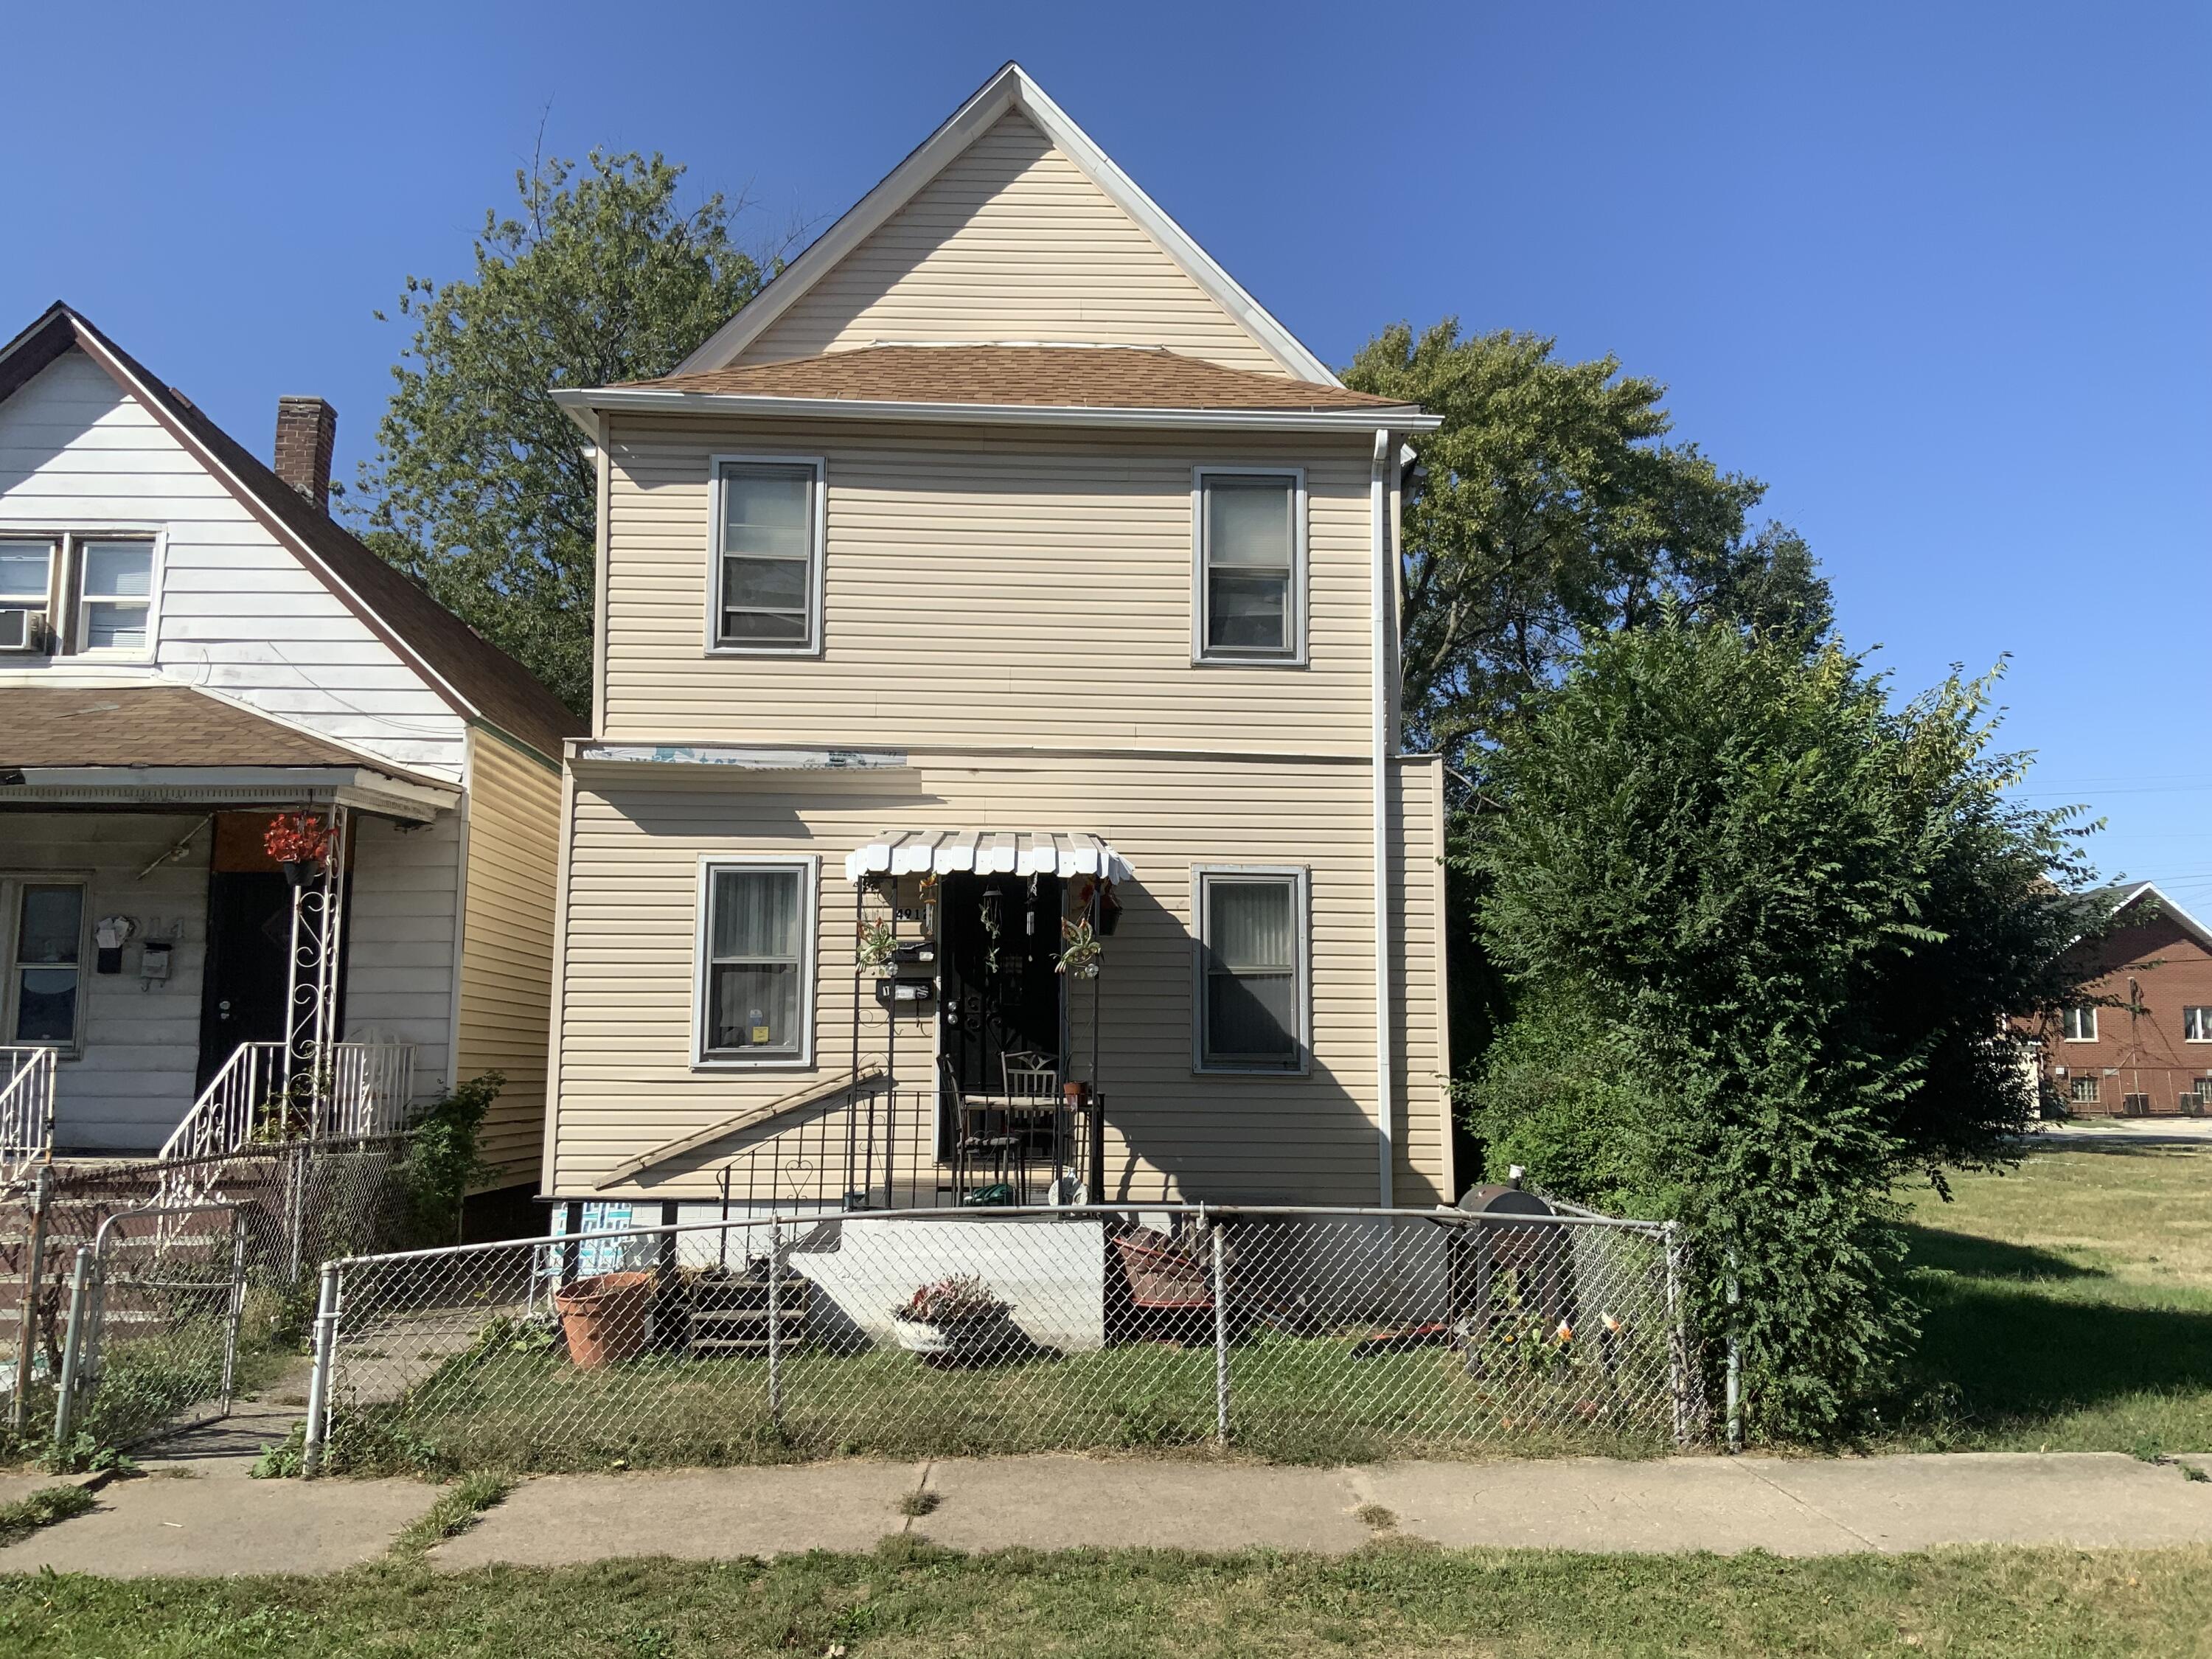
point(2081, 1091)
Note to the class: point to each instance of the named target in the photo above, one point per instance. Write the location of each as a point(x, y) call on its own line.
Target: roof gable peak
point(1010, 90)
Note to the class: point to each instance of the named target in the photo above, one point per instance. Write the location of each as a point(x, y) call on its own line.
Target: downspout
point(1383, 605)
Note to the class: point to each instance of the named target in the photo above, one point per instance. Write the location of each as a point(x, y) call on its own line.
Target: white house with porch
point(191, 647)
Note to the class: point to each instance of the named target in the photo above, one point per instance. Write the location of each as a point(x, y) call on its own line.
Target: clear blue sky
point(1942, 274)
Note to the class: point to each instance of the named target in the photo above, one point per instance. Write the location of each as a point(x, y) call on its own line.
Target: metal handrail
point(27, 1109)
point(344, 1090)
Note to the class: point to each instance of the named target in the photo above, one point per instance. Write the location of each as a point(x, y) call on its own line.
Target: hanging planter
point(299, 842)
point(1080, 953)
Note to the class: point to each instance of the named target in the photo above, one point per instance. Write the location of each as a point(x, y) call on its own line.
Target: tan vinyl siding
point(507, 952)
point(626, 1081)
point(983, 586)
point(1423, 1172)
point(1011, 242)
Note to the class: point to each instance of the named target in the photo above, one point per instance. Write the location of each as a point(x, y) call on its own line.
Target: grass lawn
point(2068, 1305)
point(909, 1599)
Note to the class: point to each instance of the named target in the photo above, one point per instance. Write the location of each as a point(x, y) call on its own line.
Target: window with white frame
point(1250, 998)
point(2081, 1024)
point(1249, 577)
point(76, 595)
point(2081, 1089)
point(2196, 1025)
point(46, 941)
point(768, 557)
point(757, 969)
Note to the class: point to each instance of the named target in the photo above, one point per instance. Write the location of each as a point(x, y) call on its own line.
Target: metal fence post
point(1677, 1338)
point(73, 1344)
point(1734, 1367)
point(27, 1313)
point(236, 1310)
point(775, 1325)
point(1220, 1340)
point(319, 1385)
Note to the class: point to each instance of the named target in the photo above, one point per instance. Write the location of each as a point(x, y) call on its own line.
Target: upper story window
point(767, 579)
point(1249, 587)
point(1250, 1006)
point(76, 595)
point(2080, 1026)
point(2196, 1025)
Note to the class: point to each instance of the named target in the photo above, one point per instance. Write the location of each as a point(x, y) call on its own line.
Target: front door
point(249, 938)
point(998, 991)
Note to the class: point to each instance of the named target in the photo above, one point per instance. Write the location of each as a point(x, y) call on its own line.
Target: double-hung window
point(2081, 1024)
point(767, 579)
point(2196, 1025)
point(44, 992)
point(756, 990)
point(1250, 996)
point(1249, 585)
point(76, 595)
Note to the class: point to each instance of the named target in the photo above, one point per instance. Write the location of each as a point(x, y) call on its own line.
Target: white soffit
point(985, 853)
point(1010, 88)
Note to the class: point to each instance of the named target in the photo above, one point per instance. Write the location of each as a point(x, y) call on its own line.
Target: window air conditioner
point(22, 629)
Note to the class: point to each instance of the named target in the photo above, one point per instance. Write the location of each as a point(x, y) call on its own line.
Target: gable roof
point(2188, 923)
point(474, 677)
point(1104, 377)
point(1010, 88)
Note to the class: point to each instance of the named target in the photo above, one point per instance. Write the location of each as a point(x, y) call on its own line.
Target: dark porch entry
point(999, 993)
point(249, 944)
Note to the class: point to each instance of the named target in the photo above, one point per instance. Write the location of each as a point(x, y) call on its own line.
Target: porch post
point(311, 992)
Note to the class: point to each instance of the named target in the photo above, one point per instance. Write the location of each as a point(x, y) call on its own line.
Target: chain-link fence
point(1302, 1336)
point(130, 1316)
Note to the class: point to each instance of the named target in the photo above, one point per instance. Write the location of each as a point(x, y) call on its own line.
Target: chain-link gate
point(156, 1301)
point(1299, 1334)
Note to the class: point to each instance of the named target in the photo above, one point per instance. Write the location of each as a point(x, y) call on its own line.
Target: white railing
point(27, 1109)
point(346, 1088)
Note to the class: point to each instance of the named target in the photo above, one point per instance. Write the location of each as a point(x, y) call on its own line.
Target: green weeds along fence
point(1302, 1336)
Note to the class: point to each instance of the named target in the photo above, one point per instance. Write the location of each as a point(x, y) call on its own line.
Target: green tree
point(1552, 509)
point(1769, 933)
point(481, 487)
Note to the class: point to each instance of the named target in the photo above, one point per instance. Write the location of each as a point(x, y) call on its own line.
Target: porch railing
point(342, 1089)
point(27, 1109)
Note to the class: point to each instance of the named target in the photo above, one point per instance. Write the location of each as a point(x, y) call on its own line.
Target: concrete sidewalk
point(202, 1516)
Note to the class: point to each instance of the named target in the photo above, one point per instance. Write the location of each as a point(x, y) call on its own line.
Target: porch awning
point(986, 853)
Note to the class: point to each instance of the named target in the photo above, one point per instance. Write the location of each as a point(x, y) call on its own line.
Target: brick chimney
point(306, 428)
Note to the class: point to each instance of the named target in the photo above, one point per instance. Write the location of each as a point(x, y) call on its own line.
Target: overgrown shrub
point(443, 1161)
point(1769, 933)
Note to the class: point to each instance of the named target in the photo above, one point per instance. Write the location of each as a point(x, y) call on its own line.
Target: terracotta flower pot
point(605, 1318)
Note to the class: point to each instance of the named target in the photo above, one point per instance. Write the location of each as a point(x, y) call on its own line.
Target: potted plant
point(878, 946)
point(299, 842)
point(953, 1319)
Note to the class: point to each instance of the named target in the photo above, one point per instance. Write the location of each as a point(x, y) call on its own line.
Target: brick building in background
point(2145, 1049)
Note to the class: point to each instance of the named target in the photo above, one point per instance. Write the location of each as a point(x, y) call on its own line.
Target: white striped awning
point(986, 853)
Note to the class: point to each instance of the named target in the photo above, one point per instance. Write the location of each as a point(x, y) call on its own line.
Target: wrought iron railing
point(27, 1109)
point(345, 1088)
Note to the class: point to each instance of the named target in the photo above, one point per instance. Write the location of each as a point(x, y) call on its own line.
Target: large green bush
point(1768, 932)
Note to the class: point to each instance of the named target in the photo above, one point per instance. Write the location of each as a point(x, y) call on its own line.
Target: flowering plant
point(948, 1301)
point(300, 838)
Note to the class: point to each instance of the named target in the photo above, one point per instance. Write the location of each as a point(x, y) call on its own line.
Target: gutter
point(583, 405)
point(1381, 604)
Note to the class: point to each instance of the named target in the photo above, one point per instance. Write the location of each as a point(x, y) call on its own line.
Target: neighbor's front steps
point(214, 1522)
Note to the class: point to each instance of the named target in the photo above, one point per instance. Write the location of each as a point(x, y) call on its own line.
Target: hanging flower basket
point(299, 842)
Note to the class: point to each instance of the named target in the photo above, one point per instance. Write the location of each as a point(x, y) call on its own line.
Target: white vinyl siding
point(1011, 242)
point(1248, 992)
point(1248, 535)
point(767, 574)
point(234, 610)
point(755, 950)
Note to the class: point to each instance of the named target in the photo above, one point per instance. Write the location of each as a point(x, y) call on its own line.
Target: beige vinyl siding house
point(923, 646)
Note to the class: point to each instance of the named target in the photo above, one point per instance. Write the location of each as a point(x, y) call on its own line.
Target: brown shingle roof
point(1085, 377)
point(479, 678)
point(151, 726)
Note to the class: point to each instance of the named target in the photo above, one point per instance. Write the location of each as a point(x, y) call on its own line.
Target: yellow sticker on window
point(760, 1034)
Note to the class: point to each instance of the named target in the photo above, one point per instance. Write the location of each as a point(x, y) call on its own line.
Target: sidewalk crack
point(1810, 1508)
point(920, 1487)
